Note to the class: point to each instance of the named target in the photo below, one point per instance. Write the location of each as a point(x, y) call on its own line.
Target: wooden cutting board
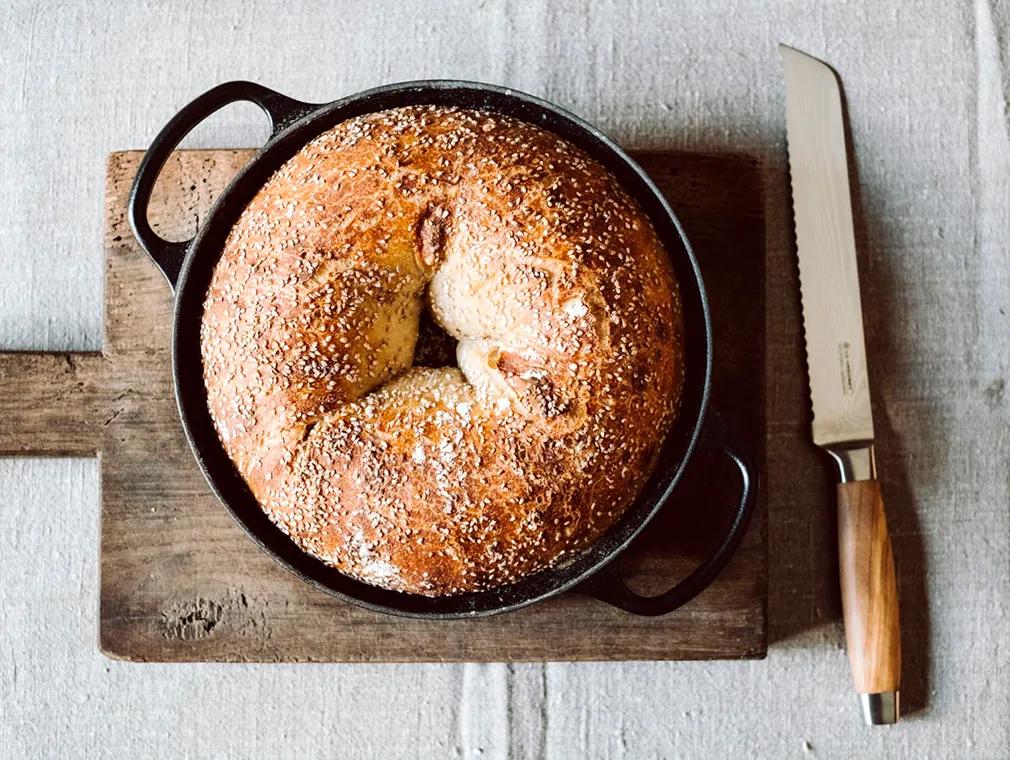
point(181, 582)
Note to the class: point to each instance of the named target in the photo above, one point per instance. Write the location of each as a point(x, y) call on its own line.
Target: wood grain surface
point(181, 582)
point(869, 588)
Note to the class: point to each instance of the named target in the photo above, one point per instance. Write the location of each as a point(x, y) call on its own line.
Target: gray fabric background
point(927, 86)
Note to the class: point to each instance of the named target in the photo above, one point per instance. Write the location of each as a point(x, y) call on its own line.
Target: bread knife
point(839, 381)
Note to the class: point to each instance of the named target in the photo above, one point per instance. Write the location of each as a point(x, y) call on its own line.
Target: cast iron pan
point(188, 267)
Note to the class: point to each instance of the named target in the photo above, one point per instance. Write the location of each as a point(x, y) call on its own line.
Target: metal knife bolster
point(855, 462)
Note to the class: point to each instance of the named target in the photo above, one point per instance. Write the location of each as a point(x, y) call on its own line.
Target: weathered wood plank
point(181, 582)
point(53, 404)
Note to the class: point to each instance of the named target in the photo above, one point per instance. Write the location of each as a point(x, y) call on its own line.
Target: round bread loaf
point(441, 480)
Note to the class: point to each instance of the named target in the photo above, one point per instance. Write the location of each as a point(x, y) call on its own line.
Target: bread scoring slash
point(442, 480)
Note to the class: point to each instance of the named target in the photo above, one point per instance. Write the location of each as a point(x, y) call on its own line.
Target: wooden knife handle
point(869, 589)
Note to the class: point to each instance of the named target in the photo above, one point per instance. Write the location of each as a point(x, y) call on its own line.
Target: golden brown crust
point(439, 481)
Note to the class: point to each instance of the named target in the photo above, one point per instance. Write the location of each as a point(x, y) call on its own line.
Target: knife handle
point(869, 599)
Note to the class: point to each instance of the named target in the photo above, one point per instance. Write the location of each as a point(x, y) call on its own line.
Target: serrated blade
point(825, 243)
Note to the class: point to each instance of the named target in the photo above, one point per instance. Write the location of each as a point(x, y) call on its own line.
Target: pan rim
point(279, 149)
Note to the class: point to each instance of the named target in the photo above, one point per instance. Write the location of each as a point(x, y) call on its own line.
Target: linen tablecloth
point(927, 87)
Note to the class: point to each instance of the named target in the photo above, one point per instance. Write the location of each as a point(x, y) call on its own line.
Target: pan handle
point(607, 584)
point(281, 110)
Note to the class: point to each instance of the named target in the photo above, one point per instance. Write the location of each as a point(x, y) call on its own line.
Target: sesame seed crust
point(567, 316)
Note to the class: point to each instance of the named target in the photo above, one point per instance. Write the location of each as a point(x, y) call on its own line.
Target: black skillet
point(188, 266)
